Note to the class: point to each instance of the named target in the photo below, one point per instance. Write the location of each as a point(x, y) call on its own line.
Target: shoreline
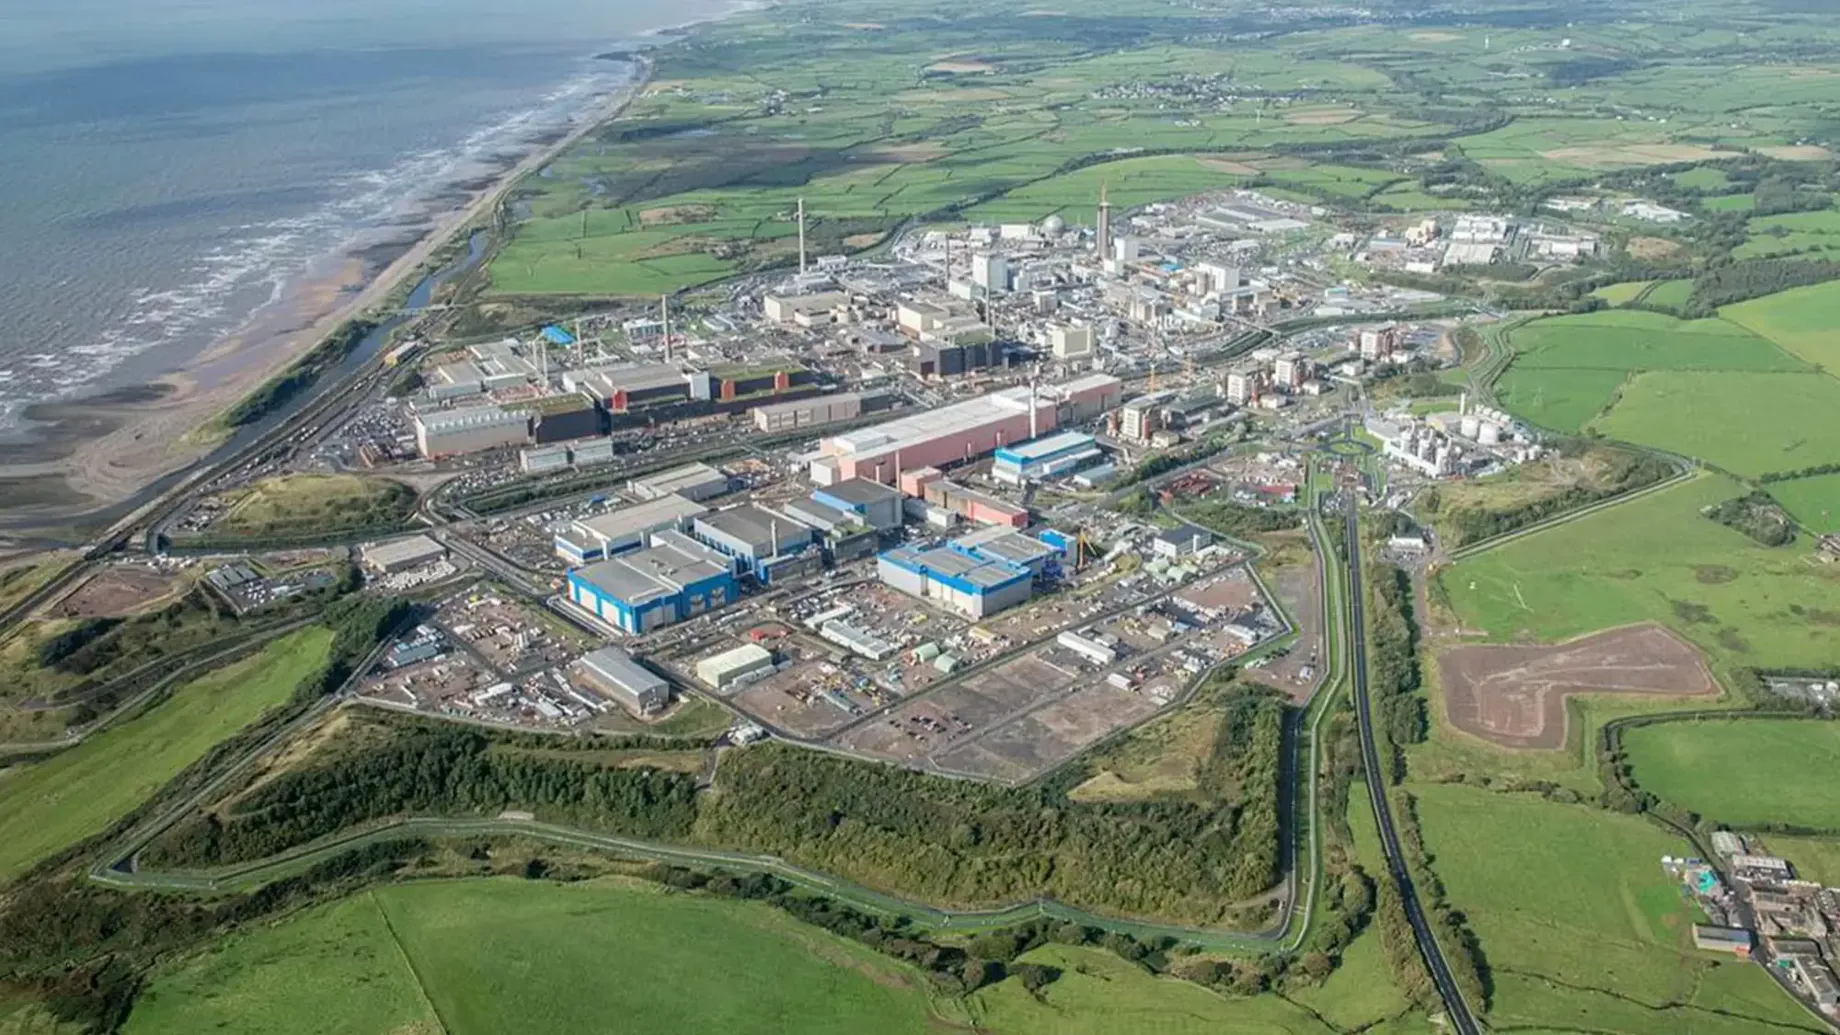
point(91, 455)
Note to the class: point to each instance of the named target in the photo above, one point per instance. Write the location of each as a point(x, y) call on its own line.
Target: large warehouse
point(1045, 457)
point(696, 481)
point(976, 587)
point(824, 409)
point(764, 543)
point(877, 505)
point(673, 579)
point(613, 673)
point(441, 433)
point(617, 531)
point(961, 431)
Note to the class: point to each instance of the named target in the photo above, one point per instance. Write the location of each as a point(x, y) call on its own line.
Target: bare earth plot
point(1515, 696)
point(116, 592)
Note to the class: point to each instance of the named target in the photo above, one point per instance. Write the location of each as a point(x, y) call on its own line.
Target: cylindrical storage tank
point(1489, 434)
point(1470, 426)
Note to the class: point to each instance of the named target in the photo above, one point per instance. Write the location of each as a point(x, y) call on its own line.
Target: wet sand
point(92, 455)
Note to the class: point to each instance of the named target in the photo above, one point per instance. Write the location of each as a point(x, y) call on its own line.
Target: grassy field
point(1584, 931)
point(1747, 423)
point(498, 955)
point(485, 956)
point(1689, 764)
point(1671, 293)
point(1655, 559)
point(332, 969)
point(1563, 399)
point(1815, 502)
point(1814, 858)
point(303, 504)
point(1640, 340)
point(1806, 321)
point(80, 792)
point(1100, 994)
point(1626, 291)
point(1814, 234)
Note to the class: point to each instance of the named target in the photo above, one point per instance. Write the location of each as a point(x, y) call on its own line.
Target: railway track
point(1462, 1020)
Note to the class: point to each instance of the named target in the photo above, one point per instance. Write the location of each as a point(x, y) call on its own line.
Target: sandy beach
point(98, 452)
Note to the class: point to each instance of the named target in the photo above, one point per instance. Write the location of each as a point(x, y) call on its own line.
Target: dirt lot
point(1301, 592)
point(117, 592)
point(1515, 696)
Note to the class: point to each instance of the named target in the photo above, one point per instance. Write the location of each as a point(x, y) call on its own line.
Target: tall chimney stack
point(801, 235)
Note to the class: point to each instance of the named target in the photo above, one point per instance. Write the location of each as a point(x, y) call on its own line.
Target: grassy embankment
point(80, 792)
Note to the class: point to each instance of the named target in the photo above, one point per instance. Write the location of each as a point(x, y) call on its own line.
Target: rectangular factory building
point(947, 435)
point(790, 416)
point(979, 507)
point(972, 586)
point(763, 543)
point(628, 528)
point(877, 505)
point(401, 554)
point(613, 672)
point(1004, 544)
point(674, 579)
point(692, 481)
point(720, 670)
point(442, 433)
point(1045, 457)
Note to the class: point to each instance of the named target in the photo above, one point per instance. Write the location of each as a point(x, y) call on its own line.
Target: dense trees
point(1756, 515)
point(1241, 521)
point(953, 841)
point(1392, 663)
point(1741, 281)
point(431, 769)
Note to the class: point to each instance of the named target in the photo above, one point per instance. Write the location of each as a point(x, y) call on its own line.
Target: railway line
point(1462, 1020)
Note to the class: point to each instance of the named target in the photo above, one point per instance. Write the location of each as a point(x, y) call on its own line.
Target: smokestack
point(801, 235)
point(664, 307)
point(774, 525)
point(1034, 420)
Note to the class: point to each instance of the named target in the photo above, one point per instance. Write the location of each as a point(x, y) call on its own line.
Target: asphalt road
point(1461, 1019)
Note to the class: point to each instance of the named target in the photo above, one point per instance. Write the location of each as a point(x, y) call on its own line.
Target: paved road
point(1462, 1020)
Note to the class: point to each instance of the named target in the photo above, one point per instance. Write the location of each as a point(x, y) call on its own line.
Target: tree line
point(1624, 471)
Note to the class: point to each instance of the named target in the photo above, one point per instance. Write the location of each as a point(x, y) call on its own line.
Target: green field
point(1671, 293)
point(1100, 994)
point(1729, 203)
point(1815, 234)
point(80, 792)
point(1706, 178)
point(303, 504)
point(1127, 183)
point(1628, 340)
point(1749, 424)
point(1690, 764)
point(1814, 858)
point(1626, 291)
point(1567, 369)
point(492, 956)
point(1563, 399)
point(1806, 321)
point(488, 956)
point(1582, 929)
point(1657, 559)
point(1814, 502)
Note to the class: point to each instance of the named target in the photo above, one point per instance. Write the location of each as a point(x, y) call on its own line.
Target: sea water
point(168, 167)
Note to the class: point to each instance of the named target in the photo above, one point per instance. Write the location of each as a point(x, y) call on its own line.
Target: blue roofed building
point(957, 580)
point(1046, 457)
point(674, 579)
